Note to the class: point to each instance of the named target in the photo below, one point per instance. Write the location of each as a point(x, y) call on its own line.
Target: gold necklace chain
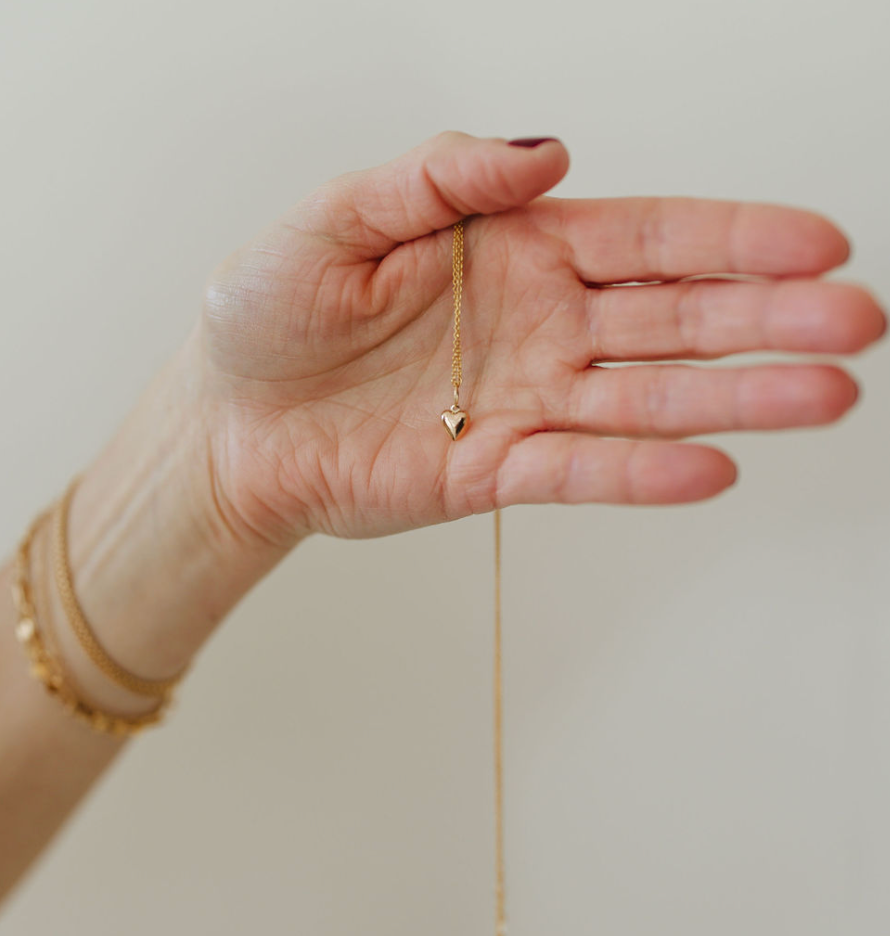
point(455, 420)
point(457, 273)
point(500, 917)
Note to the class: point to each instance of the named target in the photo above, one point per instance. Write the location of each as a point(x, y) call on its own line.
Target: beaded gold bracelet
point(48, 669)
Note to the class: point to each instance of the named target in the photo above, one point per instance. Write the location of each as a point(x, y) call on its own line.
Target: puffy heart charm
point(455, 421)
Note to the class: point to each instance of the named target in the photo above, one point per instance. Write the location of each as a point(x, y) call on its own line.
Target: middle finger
point(707, 318)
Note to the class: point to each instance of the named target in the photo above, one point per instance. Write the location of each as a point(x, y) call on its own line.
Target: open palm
point(328, 343)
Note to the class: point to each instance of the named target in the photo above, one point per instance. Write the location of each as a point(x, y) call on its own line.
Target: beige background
point(697, 697)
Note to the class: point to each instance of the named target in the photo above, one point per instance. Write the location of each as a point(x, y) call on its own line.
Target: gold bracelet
point(47, 668)
point(159, 688)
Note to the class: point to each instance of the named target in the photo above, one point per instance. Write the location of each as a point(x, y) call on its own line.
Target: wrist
point(156, 558)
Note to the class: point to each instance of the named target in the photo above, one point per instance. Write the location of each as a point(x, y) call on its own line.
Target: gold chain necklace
point(455, 420)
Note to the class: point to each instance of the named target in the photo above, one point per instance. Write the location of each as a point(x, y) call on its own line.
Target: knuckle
point(634, 482)
point(595, 315)
point(655, 403)
point(688, 314)
point(739, 394)
point(446, 138)
point(652, 237)
point(569, 472)
point(735, 261)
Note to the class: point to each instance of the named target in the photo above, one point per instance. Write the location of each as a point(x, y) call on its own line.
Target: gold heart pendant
point(455, 421)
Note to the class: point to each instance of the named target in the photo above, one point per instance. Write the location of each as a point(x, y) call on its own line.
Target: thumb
point(445, 178)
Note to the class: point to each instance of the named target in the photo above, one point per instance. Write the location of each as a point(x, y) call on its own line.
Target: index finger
point(643, 238)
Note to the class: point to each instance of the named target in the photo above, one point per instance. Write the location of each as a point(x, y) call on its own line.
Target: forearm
point(157, 564)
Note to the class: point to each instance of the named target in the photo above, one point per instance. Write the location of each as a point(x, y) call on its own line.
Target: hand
point(327, 344)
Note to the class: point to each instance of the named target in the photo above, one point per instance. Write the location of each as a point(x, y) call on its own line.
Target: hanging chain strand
point(454, 418)
point(457, 265)
point(455, 422)
point(501, 918)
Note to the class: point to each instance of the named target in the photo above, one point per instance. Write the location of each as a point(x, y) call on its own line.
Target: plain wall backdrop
point(697, 698)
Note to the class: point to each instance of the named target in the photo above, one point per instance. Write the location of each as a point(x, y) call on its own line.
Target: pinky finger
point(577, 467)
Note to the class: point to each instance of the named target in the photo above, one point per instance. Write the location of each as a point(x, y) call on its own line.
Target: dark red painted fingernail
point(530, 141)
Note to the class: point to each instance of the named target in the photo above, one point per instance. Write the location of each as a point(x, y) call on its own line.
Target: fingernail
point(530, 141)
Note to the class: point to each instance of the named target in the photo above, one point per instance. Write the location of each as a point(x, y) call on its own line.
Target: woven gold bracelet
point(158, 688)
point(48, 668)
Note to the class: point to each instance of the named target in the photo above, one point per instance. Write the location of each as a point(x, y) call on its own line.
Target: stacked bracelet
point(159, 688)
point(47, 667)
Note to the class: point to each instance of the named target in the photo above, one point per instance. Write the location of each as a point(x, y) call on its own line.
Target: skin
point(330, 359)
point(306, 400)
